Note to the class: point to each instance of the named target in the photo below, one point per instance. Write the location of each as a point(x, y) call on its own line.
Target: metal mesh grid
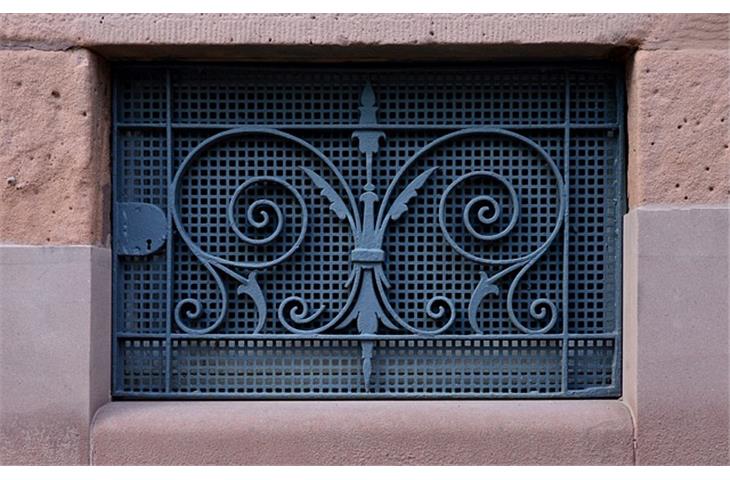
point(349, 232)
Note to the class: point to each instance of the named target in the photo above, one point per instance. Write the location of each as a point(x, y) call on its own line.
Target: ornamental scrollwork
point(368, 219)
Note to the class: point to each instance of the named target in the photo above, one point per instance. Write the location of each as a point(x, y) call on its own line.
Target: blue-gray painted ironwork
point(367, 231)
point(141, 228)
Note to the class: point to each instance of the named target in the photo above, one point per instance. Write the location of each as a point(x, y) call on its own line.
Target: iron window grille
point(379, 231)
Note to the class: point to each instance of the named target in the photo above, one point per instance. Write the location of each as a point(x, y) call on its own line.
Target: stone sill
point(458, 432)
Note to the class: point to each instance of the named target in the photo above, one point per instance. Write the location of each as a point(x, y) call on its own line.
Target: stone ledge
point(363, 433)
point(142, 35)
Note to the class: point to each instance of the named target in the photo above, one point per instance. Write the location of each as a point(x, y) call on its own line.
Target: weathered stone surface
point(55, 337)
point(679, 127)
point(363, 433)
point(108, 32)
point(676, 352)
point(54, 148)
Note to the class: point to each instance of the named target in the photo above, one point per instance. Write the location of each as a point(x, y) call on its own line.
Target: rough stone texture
point(55, 336)
point(154, 34)
point(676, 358)
point(650, 30)
point(679, 127)
point(363, 433)
point(54, 148)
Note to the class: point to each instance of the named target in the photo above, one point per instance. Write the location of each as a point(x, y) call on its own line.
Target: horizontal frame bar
point(358, 337)
point(230, 126)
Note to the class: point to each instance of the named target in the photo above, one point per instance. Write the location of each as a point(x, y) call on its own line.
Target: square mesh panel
point(421, 231)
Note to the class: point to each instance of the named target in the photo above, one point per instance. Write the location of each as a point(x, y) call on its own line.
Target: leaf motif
point(367, 309)
point(484, 287)
point(250, 286)
point(336, 203)
point(400, 205)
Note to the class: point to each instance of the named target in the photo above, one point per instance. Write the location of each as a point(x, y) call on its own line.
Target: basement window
point(367, 231)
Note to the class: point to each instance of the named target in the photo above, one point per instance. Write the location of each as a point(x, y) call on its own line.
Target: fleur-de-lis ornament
point(367, 257)
point(368, 218)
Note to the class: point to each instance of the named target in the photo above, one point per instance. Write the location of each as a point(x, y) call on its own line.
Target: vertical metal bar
point(169, 247)
point(116, 283)
point(566, 228)
point(620, 175)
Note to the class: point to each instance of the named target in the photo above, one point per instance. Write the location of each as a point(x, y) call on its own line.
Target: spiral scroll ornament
point(258, 220)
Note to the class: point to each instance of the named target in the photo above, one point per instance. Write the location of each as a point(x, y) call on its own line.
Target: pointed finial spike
point(367, 364)
point(368, 106)
point(367, 97)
